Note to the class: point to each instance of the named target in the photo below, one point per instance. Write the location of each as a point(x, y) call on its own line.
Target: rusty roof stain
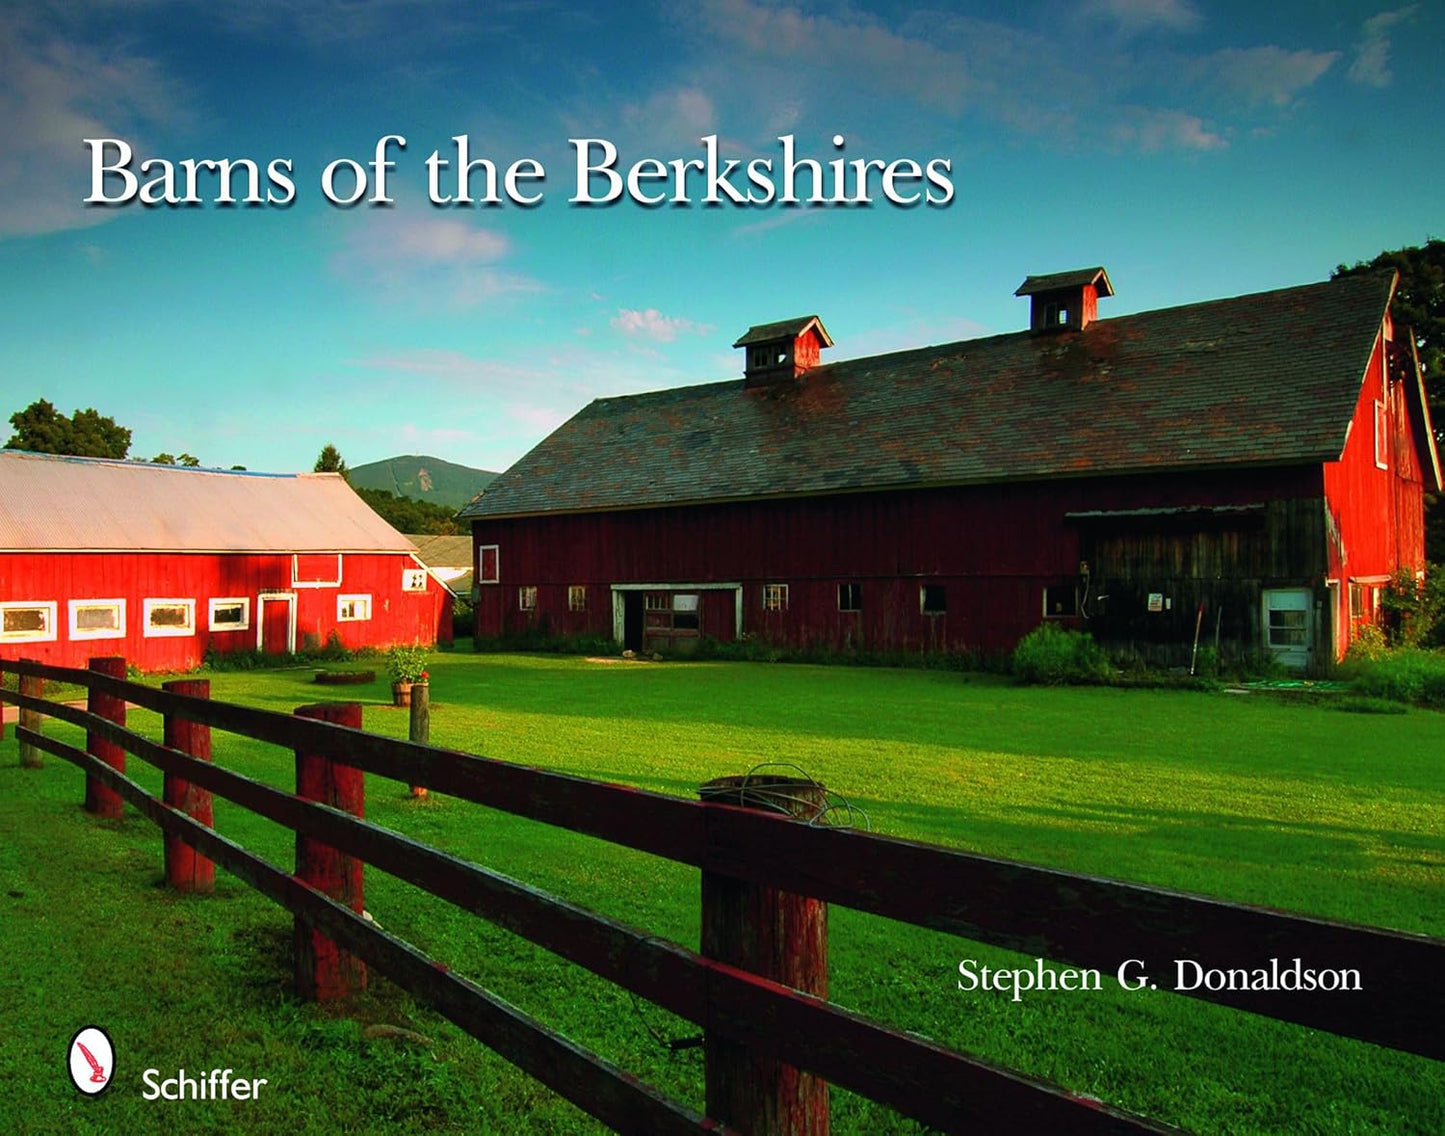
point(55, 503)
point(1265, 379)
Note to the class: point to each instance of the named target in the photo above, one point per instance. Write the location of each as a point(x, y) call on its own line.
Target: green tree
point(408, 515)
point(164, 459)
point(331, 461)
point(87, 433)
point(1419, 310)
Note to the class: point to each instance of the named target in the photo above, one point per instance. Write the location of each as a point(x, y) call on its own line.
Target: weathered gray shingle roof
point(1266, 379)
point(52, 502)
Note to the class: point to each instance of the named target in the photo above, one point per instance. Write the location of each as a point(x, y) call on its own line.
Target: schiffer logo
point(91, 1060)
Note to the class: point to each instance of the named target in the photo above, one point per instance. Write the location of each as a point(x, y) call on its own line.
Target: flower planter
point(401, 693)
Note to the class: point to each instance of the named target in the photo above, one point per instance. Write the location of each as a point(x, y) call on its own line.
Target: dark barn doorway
point(632, 621)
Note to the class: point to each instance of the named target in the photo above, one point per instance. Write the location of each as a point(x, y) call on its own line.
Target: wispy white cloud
point(1131, 17)
point(409, 257)
point(56, 91)
point(1153, 130)
point(652, 324)
point(1371, 66)
point(1267, 74)
point(1097, 77)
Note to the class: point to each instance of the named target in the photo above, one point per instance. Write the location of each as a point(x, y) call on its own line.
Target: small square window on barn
point(170, 617)
point(230, 614)
point(850, 597)
point(97, 619)
point(933, 599)
point(775, 597)
point(685, 615)
point(1060, 601)
point(527, 598)
point(489, 564)
point(413, 579)
point(27, 621)
point(1382, 436)
point(577, 597)
point(353, 609)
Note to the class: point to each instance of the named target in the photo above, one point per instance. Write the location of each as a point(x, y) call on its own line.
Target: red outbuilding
point(162, 563)
point(1243, 473)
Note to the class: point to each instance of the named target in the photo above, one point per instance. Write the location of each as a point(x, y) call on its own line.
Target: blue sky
point(1195, 149)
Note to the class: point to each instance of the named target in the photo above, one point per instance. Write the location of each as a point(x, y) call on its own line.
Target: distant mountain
point(423, 478)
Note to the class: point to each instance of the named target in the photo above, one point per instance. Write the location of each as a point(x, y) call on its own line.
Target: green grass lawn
point(1250, 798)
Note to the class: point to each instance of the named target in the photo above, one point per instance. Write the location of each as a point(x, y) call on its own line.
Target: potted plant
point(408, 667)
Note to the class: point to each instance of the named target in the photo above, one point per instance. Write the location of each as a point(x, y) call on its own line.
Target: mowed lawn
point(1296, 806)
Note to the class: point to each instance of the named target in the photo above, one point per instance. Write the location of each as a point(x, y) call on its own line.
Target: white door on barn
point(1288, 629)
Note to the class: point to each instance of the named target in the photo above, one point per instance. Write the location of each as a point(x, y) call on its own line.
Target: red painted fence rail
point(1082, 920)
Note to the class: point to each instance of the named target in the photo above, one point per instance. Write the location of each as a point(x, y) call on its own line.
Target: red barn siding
point(1378, 513)
point(396, 616)
point(992, 548)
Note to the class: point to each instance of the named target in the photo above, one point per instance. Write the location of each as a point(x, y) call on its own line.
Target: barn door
point(276, 634)
point(1288, 630)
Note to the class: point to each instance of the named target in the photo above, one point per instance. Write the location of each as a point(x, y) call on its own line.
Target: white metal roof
point(91, 504)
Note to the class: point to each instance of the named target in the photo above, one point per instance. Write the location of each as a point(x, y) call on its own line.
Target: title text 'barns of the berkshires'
point(1265, 456)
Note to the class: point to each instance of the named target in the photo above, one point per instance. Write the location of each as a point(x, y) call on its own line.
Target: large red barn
point(1250, 470)
point(162, 563)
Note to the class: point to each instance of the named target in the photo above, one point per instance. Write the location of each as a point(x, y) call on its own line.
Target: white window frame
point(116, 632)
point(152, 632)
point(354, 598)
point(229, 601)
point(854, 586)
point(413, 579)
point(775, 597)
point(524, 593)
point(576, 597)
point(296, 563)
point(496, 563)
point(1382, 436)
point(46, 636)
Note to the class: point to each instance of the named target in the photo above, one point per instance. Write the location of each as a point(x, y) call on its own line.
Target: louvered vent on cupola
point(1065, 300)
point(782, 351)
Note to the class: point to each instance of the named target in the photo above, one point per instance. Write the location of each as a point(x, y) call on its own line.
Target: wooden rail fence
point(761, 1034)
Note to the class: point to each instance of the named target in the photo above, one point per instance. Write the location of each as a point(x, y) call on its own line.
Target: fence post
point(30, 756)
point(323, 970)
point(101, 801)
point(420, 731)
point(187, 869)
point(776, 935)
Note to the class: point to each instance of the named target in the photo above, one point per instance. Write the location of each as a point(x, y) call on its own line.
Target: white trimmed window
point(1382, 436)
point(97, 619)
point(775, 597)
point(577, 597)
point(489, 564)
point(170, 617)
point(850, 597)
point(27, 621)
point(353, 609)
point(232, 613)
point(413, 580)
point(527, 598)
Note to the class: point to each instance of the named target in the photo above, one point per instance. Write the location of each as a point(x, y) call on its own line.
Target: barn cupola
point(780, 352)
point(1065, 300)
